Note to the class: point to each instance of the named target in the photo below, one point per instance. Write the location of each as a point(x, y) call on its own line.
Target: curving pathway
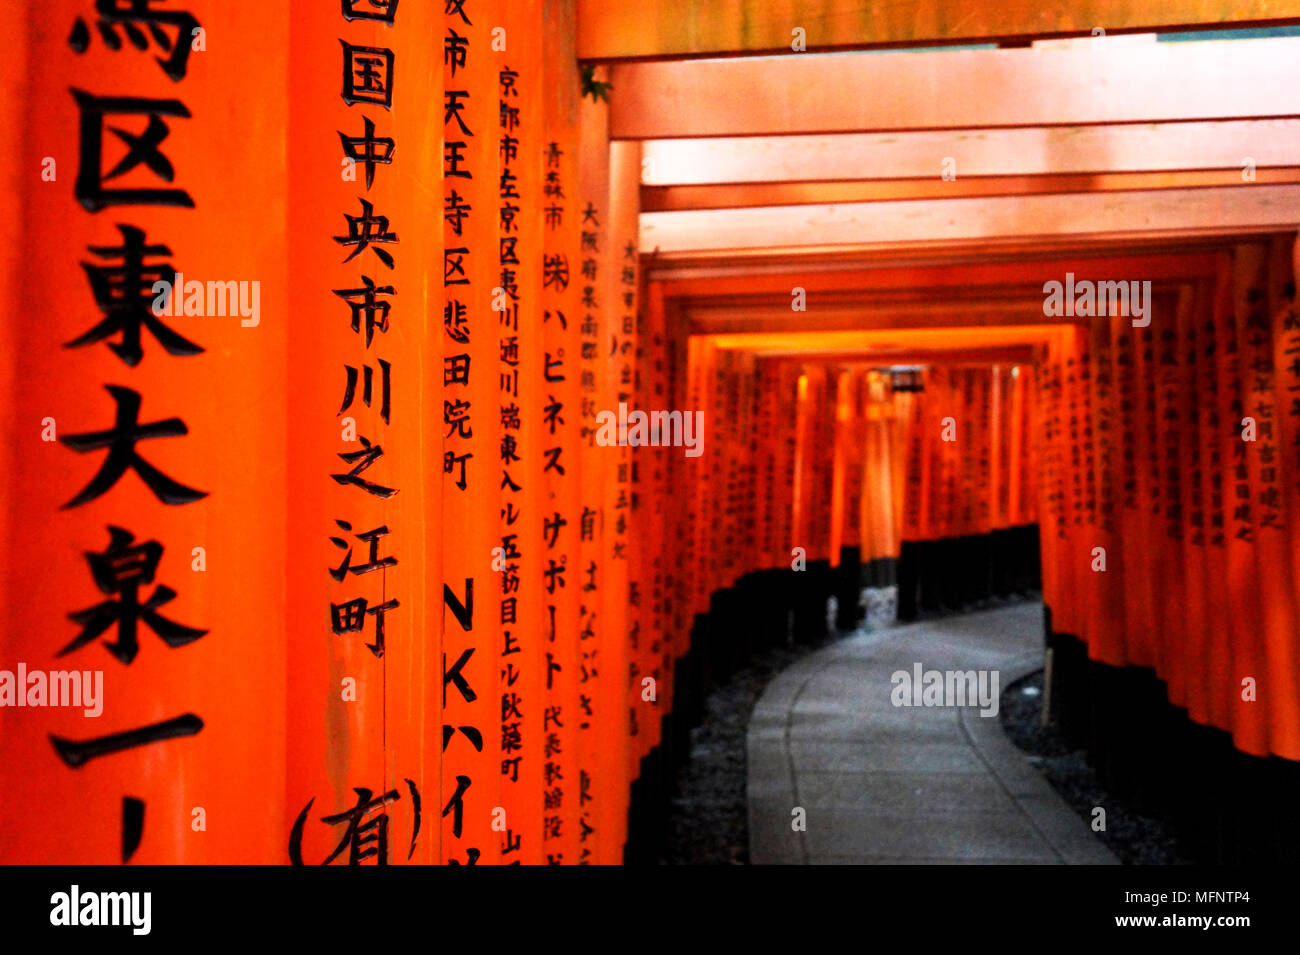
point(880, 783)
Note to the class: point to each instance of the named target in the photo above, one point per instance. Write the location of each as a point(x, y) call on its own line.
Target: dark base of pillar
point(848, 589)
point(956, 574)
point(811, 588)
point(1228, 807)
point(647, 821)
point(749, 617)
point(880, 572)
point(781, 607)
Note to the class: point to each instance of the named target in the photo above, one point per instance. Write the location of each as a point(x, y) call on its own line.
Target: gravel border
point(708, 818)
point(708, 821)
point(1135, 838)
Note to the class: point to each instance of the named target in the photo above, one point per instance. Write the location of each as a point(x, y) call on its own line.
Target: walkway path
point(886, 784)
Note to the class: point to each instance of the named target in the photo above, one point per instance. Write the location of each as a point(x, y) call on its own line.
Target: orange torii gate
point(368, 535)
point(408, 585)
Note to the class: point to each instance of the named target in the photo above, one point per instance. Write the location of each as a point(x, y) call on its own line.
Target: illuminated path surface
point(887, 784)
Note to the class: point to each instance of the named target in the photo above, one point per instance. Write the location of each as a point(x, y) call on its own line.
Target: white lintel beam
point(1040, 151)
point(1224, 210)
point(959, 89)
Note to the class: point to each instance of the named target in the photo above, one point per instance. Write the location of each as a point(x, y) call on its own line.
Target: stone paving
point(880, 783)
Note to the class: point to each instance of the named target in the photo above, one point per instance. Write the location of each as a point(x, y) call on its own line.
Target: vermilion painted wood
point(470, 516)
point(593, 192)
point(1275, 591)
point(623, 30)
point(522, 788)
point(1251, 725)
point(1196, 582)
point(232, 400)
point(1284, 254)
point(1213, 419)
point(561, 334)
point(1107, 604)
point(619, 331)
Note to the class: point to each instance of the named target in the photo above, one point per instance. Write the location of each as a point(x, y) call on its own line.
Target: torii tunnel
point(418, 410)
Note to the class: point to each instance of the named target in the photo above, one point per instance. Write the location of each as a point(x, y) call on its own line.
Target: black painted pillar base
point(909, 580)
point(768, 597)
point(1229, 807)
point(811, 589)
point(848, 590)
point(957, 574)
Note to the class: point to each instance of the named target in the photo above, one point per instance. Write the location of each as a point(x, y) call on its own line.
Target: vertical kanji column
point(1286, 370)
point(561, 510)
point(523, 372)
point(144, 511)
point(1049, 413)
point(473, 827)
point(1249, 720)
point(1259, 498)
point(1213, 427)
point(654, 513)
point(363, 586)
point(595, 844)
point(1170, 372)
point(620, 282)
point(1194, 411)
point(1107, 425)
point(1139, 503)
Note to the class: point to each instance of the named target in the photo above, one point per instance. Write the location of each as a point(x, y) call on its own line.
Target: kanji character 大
point(121, 441)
